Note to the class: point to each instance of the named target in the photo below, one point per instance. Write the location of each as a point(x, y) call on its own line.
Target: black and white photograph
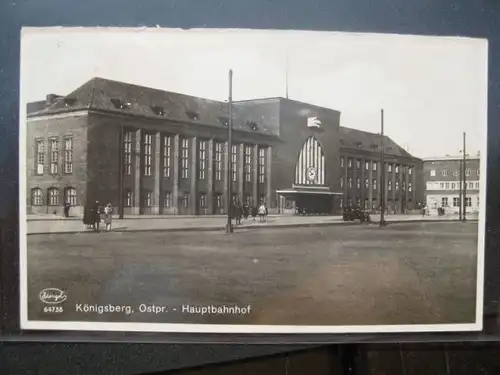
point(251, 181)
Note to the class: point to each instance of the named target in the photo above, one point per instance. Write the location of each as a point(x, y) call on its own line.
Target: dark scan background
point(473, 18)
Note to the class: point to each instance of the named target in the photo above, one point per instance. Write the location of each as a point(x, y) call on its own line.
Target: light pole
point(464, 194)
point(229, 225)
point(382, 171)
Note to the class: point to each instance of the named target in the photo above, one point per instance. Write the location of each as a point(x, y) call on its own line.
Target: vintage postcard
point(251, 181)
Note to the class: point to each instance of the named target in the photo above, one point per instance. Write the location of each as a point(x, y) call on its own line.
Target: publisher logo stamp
point(53, 296)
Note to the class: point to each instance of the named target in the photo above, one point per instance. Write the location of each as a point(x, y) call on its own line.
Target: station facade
point(159, 152)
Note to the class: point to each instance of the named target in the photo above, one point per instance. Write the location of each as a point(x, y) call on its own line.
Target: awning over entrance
point(310, 200)
point(308, 191)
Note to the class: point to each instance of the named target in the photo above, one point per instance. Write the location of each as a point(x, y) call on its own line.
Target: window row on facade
point(437, 185)
point(374, 184)
point(444, 172)
point(53, 196)
point(52, 165)
point(390, 167)
point(445, 202)
point(167, 156)
point(167, 199)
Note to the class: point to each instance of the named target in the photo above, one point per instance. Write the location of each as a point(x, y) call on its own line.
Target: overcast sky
point(432, 89)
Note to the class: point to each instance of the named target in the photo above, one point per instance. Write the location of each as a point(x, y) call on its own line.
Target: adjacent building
point(444, 183)
point(158, 152)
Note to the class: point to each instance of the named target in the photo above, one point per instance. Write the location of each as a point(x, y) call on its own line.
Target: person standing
point(262, 212)
point(67, 206)
point(97, 216)
point(108, 216)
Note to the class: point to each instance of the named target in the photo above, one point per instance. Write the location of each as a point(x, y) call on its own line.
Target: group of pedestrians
point(244, 211)
point(92, 216)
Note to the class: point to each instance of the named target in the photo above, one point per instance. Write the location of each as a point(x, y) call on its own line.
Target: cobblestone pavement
point(413, 273)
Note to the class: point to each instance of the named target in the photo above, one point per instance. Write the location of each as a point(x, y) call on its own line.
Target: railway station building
point(157, 152)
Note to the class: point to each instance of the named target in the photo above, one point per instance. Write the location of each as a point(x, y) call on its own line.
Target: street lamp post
point(382, 171)
point(464, 194)
point(229, 226)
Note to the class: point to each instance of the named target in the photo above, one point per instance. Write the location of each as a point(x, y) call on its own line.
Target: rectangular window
point(453, 186)
point(184, 158)
point(54, 156)
point(397, 185)
point(471, 185)
point(444, 202)
point(467, 172)
point(444, 172)
point(374, 166)
point(70, 196)
point(477, 185)
point(167, 156)
point(342, 162)
point(478, 172)
point(389, 168)
point(350, 182)
point(203, 200)
point(342, 182)
point(68, 155)
point(456, 173)
point(218, 200)
point(447, 186)
point(219, 150)
point(468, 202)
point(349, 163)
point(148, 199)
point(40, 156)
point(128, 199)
point(234, 159)
point(185, 200)
point(409, 186)
point(127, 153)
point(456, 202)
point(358, 164)
point(374, 184)
point(433, 173)
point(410, 170)
point(262, 165)
point(367, 183)
point(148, 154)
point(367, 165)
point(441, 185)
point(389, 186)
point(167, 199)
point(403, 186)
point(358, 183)
point(36, 197)
point(202, 159)
point(396, 169)
point(248, 163)
point(53, 197)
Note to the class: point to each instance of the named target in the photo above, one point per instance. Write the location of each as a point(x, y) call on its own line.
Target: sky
point(432, 89)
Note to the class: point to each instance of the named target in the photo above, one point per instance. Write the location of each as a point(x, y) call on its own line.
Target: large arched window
point(53, 197)
point(36, 197)
point(70, 196)
point(310, 167)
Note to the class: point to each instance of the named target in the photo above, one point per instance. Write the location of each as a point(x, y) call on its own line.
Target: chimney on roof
point(51, 98)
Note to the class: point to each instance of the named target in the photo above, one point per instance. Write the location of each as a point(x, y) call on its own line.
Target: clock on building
point(311, 174)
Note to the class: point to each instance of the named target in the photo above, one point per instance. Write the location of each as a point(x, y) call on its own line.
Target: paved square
point(410, 273)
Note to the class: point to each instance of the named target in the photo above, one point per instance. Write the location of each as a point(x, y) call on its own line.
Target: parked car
point(351, 214)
